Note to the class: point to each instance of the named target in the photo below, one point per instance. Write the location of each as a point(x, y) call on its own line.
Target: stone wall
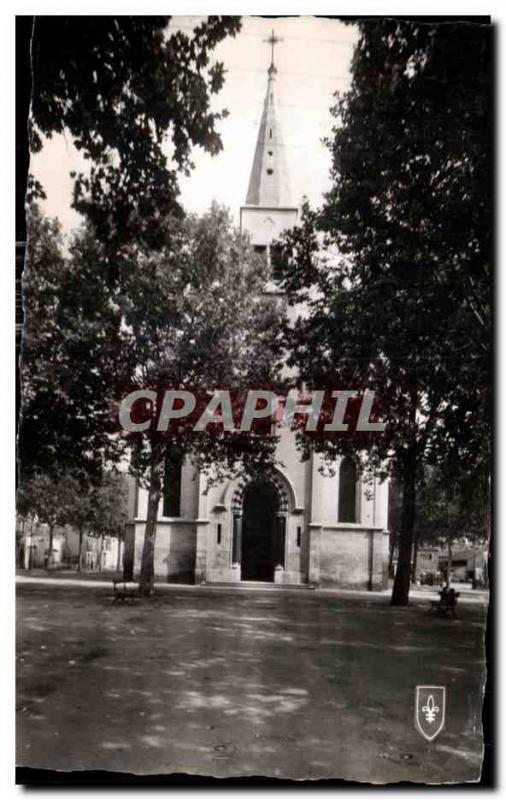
point(174, 551)
point(328, 553)
point(352, 558)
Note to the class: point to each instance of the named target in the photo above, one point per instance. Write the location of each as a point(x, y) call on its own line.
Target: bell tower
point(269, 208)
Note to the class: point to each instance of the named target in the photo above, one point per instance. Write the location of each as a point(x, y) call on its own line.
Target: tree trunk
point(50, 546)
point(415, 559)
point(118, 557)
point(449, 565)
point(80, 551)
point(154, 494)
point(400, 592)
point(22, 545)
point(100, 551)
point(29, 559)
point(391, 550)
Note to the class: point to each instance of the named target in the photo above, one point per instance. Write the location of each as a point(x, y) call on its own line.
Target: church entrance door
point(259, 532)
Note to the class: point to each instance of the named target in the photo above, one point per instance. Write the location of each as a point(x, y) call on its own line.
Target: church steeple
point(269, 209)
point(269, 183)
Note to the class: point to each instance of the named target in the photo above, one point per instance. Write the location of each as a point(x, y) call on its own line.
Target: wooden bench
point(124, 590)
point(447, 603)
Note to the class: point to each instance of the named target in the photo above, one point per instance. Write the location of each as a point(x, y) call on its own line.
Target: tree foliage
point(196, 316)
point(110, 506)
point(97, 510)
point(45, 498)
point(396, 268)
point(454, 510)
point(134, 96)
point(67, 356)
point(191, 315)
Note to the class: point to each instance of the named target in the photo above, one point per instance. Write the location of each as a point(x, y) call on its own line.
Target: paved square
point(228, 682)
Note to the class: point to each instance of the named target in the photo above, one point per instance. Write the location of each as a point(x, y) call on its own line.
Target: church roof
point(269, 184)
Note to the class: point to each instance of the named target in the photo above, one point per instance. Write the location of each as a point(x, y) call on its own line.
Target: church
point(296, 526)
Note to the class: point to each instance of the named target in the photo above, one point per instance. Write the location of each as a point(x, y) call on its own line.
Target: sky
point(313, 62)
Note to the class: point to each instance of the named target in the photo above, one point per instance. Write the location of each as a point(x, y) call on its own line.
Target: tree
point(71, 326)
point(126, 90)
point(49, 500)
point(98, 509)
point(193, 315)
point(80, 510)
point(110, 509)
point(394, 518)
point(197, 316)
point(451, 507)
point(453, 510)
point(399, 302)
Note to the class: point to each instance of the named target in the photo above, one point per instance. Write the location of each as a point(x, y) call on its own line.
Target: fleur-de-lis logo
point(430, 709)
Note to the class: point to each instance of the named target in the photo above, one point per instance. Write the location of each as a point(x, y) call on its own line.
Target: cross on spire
point(272, 40)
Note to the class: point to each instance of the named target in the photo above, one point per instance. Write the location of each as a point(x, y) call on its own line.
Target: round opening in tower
point(270, 171)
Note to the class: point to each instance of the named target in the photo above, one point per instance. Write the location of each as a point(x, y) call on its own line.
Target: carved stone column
point(201, 532)
point(280, 555)
point(237, 540)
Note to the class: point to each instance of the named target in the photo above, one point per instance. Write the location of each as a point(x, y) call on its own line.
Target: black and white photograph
point(254, 367)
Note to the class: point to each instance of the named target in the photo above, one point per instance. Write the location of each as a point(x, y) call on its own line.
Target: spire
point(272, 40)
point(269, 183)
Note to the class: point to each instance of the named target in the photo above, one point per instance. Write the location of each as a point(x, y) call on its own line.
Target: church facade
point(296, 526)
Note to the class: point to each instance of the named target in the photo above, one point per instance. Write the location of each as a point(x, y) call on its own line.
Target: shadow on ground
point(289, 685)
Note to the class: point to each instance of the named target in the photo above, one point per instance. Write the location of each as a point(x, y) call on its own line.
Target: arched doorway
point(261, 541)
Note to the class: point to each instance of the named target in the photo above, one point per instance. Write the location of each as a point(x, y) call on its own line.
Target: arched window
point(172, 486)
point(347, 504)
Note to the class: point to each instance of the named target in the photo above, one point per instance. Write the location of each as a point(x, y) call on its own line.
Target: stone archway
point(259, 509)
point(276, 480)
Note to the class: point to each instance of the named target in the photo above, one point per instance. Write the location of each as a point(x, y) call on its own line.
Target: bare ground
point(226, 682)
